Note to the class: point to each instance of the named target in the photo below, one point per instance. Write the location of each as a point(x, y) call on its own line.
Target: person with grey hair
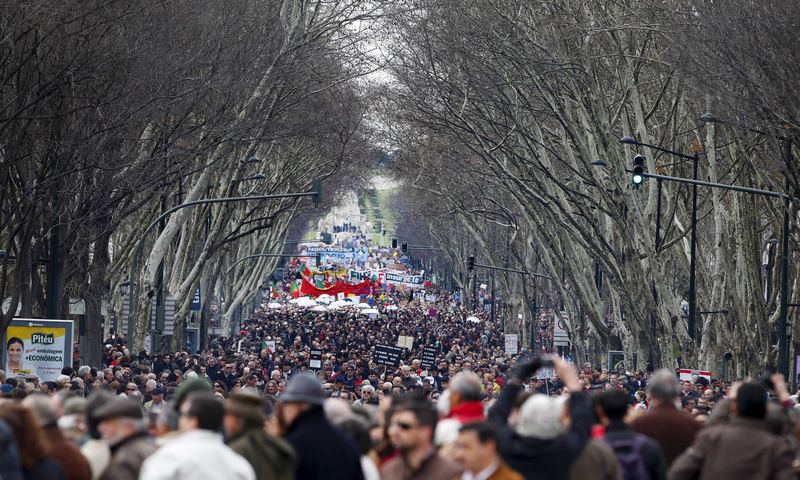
point(65, 453)
point(672, 429)
point(538, 447)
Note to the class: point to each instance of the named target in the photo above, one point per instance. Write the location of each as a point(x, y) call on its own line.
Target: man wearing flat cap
point(121, 423)
point(272, 458)
point(324, 452)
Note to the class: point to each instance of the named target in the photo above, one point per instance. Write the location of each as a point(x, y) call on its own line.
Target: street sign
point(511, 344)
point(560, 336)
point(315, 362)
point(388, 355)
point(196, 301)
point(428, 357)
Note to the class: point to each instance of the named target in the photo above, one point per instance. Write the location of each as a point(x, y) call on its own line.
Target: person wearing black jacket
point(548, 456)
point(639, 455)
point(323, 452)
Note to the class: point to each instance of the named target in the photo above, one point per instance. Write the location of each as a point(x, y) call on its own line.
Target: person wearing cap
point(157, 402)
point(121, 423)
point(323, 451)
point(272, 458)
point(199, 452)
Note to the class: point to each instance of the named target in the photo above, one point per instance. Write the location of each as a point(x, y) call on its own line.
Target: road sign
point(560, 336)
point(388, 355)
point(196, 301)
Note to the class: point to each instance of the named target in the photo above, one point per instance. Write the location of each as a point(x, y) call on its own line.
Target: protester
point(94, 449)
point(639, 456)
point(477, 452)
point(411, 429)
point(65, 453)
point(198, 452)
point(34, 449)
point(319, 446)
point(121, 424)
point(740, 449)
point(672, 429)
point(10, 462)
point(536, 447)
point(270, 457)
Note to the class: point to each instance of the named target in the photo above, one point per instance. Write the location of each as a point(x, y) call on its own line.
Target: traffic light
point(470, 263)
point(394, 244)
point(404, 247)
point(637, 177)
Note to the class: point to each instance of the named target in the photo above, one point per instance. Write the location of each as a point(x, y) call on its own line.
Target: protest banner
point(511, 344)
point(315, 362)
point(388, 355)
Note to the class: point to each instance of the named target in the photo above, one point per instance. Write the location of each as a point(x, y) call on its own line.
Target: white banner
point(511, 344)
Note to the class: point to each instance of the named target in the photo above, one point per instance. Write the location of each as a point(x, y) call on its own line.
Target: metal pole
point(53, 265)
point(693, 254)
point(783, 341)
point(658, 215)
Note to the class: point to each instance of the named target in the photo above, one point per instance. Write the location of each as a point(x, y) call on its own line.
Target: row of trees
point(113, 112)
point(508, 116)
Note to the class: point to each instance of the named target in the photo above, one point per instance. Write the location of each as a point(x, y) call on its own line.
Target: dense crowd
point(253, 407)
point(303, 393)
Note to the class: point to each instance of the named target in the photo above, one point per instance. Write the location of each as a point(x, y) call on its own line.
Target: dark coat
point(68, 455)
point(46, 469)
point(672, 429)
point(272, 458)
point(127, 458)
point(536, 458)
point(741, 449)
point(10, 466)
point(323, 452)
point(597, 461)
point(652, 457)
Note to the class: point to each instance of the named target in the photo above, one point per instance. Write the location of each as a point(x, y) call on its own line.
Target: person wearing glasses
point(411, 429)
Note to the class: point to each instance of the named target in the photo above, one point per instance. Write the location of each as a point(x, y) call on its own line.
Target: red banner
point(363, 288)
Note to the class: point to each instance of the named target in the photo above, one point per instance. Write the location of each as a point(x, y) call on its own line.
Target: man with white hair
point(539, 447)
point(672, 429)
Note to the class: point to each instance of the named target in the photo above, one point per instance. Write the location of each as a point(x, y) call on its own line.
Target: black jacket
point(652, 456)
point(536, 458)
point(323, 452)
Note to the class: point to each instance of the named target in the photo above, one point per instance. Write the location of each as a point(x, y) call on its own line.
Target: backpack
point(628, 450)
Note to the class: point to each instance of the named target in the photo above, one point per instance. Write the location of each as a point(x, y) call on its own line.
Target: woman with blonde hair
point(34, 448)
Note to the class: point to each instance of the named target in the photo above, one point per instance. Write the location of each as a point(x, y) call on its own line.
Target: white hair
point(540, 417)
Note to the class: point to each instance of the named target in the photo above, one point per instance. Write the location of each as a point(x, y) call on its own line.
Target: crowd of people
point(454, 406)
point(304, 393)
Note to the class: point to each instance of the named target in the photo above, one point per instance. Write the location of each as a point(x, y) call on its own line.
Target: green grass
point(377, 206)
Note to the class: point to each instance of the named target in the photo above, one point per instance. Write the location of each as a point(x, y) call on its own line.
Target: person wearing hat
point(121, 423)
point(157, 402)
point(323, 451)
point(271, 457)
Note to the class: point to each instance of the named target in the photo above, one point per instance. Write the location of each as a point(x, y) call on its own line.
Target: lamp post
point(133, 266)
point(695, 157)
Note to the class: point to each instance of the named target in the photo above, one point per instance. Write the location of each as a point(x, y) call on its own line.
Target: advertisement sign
point(42, 347)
